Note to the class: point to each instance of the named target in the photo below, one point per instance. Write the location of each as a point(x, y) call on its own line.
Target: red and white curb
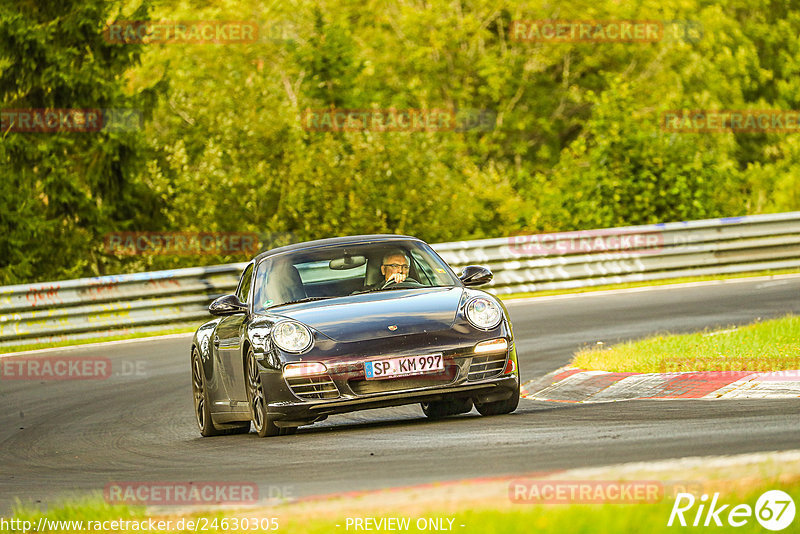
point(578, 385)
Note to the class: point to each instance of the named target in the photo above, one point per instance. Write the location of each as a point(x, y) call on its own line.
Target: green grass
point(69, 343)
point(665, 282)
point(587, 519)
point(772, 345)
point(599, 519)
point(504, 519)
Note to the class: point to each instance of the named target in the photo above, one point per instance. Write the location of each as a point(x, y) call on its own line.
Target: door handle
point(216, 341)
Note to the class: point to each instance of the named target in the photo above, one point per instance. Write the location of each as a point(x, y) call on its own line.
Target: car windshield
point(347, 269)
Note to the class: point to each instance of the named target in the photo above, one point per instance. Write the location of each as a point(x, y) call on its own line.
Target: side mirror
point(227, 305)
point(475, 275)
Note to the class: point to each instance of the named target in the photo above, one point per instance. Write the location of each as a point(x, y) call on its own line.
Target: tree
point(63, 190)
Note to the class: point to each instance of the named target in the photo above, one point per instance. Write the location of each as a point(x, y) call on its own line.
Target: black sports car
point(351, 323)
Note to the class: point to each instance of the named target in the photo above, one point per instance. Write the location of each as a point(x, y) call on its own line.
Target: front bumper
point(484, 377)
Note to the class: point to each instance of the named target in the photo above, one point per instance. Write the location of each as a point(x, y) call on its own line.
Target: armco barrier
point(110, 305)
point(633, 253)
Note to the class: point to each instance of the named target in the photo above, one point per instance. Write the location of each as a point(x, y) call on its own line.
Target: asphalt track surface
point(65, 438)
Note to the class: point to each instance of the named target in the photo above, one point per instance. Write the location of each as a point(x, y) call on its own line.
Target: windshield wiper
point(304, 299)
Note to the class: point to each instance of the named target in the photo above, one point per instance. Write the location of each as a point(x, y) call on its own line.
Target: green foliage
point(576, 144)
point(62, 191)
point(622, 170)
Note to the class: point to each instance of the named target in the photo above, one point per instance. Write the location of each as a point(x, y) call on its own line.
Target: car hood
point(370, 315)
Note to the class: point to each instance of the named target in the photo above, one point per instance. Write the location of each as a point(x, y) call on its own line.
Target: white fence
point(111, 305)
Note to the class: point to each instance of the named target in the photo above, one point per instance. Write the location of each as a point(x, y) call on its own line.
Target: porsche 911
point(336, 325)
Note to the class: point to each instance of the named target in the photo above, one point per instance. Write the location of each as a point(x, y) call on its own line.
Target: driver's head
point(394, 261)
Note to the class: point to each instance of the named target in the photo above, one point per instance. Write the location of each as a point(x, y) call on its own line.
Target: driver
point(394, 267)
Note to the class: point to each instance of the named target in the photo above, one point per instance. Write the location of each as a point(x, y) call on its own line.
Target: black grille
point(361, 386)
point(486, 366)
point(314, 387)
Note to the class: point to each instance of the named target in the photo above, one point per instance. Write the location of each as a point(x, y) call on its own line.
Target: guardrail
point(634, 253)
point(113, 305)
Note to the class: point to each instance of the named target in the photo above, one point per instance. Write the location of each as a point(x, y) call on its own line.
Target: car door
point(228, 340)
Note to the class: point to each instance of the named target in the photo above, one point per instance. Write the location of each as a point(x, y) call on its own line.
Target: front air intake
point(486, 366)
point(313, 387)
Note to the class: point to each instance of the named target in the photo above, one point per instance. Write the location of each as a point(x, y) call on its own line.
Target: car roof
point(354, 239)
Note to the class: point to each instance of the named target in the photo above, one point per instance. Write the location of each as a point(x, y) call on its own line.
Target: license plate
point(394, 367)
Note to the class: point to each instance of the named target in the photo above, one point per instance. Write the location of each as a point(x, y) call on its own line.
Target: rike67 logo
point(774, 510)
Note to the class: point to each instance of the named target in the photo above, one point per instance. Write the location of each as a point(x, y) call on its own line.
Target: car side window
point(423, 271)
point(244, 284)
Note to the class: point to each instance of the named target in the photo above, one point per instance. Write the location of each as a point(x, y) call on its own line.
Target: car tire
point(439, 409)
point(500, 407)
point(263, 423)
point(202, 410)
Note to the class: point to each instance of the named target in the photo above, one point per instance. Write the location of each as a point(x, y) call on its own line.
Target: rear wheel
point(499, 407)
point(438, 409)
point(262, 422)
point(202, 410)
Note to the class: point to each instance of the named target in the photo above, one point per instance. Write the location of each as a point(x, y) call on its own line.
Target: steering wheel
point(408, 283)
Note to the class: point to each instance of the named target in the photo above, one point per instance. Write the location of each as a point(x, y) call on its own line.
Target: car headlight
point(492, 345)
point(301, 369)
point(484, 313)
point(292, 336)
